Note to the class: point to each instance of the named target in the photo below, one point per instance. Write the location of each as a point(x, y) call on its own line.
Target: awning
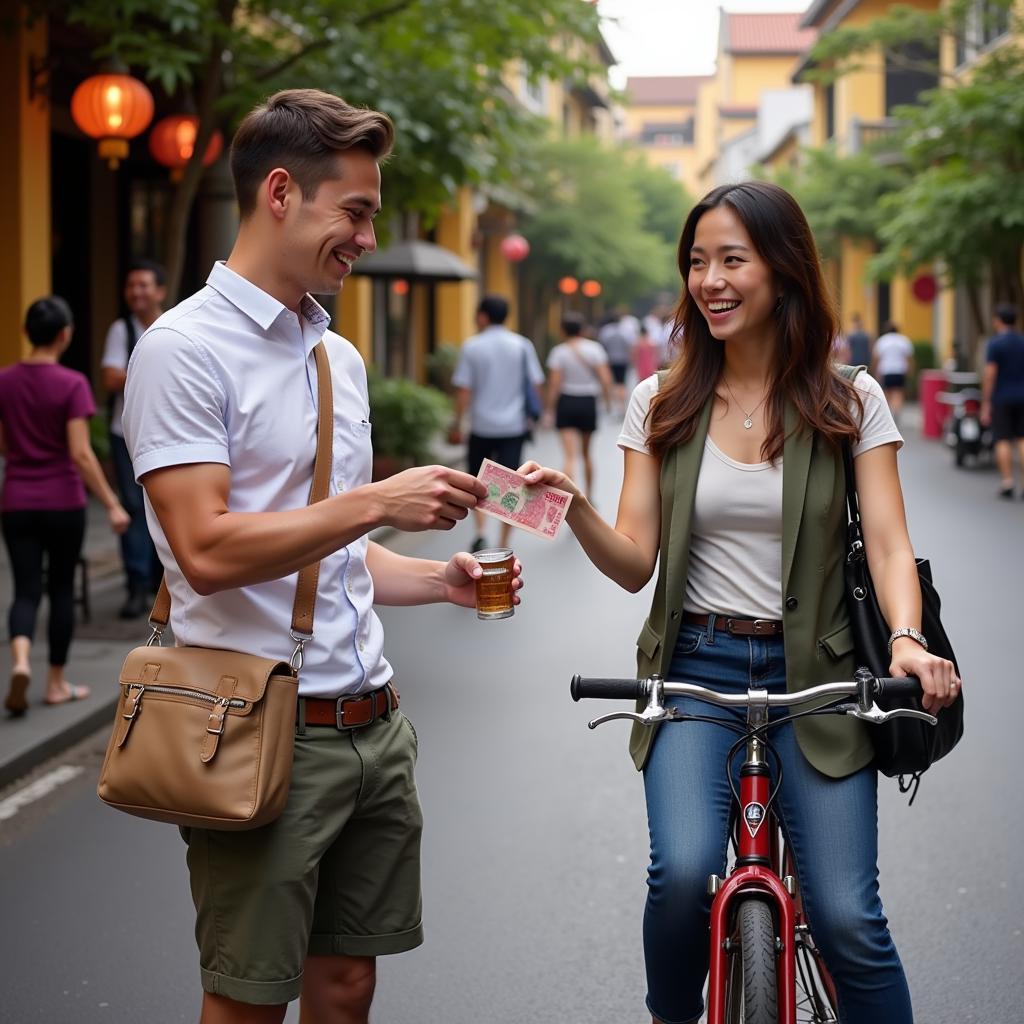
point(414, 260)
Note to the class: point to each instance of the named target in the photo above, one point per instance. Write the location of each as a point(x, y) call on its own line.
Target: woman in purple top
point(44, 434)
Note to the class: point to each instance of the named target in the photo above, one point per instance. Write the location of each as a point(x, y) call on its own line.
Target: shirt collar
point(257, 304)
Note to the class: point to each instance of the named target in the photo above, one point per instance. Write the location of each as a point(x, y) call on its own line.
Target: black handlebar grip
point(893, 688)
point(608, 689)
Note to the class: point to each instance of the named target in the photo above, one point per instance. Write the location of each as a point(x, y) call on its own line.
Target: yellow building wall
point(915, 319)
point(706, 147)
point(751, 75)
point(501, 279)
point(355, 315)
point(25, 266)
point(457, 302)
point(857, 292)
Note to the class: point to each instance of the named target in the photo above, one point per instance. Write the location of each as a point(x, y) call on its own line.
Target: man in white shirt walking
point(495, 370)
point(220, 419)
point(144, 295)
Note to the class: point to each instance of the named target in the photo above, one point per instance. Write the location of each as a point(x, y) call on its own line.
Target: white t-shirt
point(577, 362)
point(115, 355)
point(892, 353)
point(736, 540)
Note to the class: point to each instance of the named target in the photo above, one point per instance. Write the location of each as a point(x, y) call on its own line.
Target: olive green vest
point(818, 641)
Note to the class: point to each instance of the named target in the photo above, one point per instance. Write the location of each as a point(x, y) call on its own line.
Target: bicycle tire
point(752, 991)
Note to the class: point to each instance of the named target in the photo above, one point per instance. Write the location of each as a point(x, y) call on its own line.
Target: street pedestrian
point(497, 368)
point(144, 295)
point(892, 359)
point(618, 337)
point(859, 342)
point(646, 355)
point(577, 375)
point(220, 420)
point(44, 436)
point(1003, 394)
point(737, 446)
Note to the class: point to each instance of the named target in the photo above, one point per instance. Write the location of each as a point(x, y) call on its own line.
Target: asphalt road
point(535, 843)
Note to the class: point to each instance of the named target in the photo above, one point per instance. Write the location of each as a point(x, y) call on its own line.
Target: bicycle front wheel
point(752, 992)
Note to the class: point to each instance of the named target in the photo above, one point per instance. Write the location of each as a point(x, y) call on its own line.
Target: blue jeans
point(831, 825)
point(141, 562)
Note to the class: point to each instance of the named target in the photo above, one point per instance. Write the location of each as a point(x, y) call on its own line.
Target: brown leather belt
point(349, 712)
point(737, 627)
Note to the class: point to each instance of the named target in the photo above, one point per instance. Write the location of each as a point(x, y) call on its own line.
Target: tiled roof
point(765, 33)
point(664, 90)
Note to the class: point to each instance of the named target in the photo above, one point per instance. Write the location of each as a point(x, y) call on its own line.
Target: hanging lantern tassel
point(112, 108)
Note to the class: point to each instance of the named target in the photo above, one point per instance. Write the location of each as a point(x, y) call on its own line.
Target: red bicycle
point(764, 967)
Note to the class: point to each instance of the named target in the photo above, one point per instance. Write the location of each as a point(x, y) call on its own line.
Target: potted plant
point(406, 417)
point(440, 365)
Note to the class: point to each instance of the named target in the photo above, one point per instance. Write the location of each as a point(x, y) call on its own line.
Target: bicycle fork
point(753, 878)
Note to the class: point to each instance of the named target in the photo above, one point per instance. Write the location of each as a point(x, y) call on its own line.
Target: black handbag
point(903, 747)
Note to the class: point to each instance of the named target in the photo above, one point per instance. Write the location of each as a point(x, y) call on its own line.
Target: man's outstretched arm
point(218, 549)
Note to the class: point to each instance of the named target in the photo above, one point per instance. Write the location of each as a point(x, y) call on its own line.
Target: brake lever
point(876, 716)
point(649, 716)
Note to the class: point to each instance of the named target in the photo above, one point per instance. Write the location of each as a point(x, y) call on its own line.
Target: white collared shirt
point(228, 376)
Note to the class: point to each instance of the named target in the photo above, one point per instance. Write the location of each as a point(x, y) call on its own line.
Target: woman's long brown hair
point(807, 326)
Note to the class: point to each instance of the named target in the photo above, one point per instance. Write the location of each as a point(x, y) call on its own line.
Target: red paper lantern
point(924, 287)
point(568, 286)
point(591, 289)
point(400, 287)
point(173, 141)
point(515, 248)
point(112, 108)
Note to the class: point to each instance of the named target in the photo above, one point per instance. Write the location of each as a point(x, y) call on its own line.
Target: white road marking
point(37, 790)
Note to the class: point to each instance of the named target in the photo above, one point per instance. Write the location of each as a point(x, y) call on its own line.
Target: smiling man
point(220, 418)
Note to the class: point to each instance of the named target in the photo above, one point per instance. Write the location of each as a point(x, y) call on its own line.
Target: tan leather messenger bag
point(204, 737)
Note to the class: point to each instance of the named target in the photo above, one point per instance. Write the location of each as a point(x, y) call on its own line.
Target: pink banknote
point(538, 509)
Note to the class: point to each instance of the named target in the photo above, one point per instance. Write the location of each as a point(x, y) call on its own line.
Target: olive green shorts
point(337, 873)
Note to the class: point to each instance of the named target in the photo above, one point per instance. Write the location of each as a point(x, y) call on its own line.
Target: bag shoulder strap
point(852, 505)
point(131, 338)
point(583, 362)
point(306, 588)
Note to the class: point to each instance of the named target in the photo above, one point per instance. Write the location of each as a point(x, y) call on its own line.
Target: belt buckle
point(764, 626)
point(339, 714)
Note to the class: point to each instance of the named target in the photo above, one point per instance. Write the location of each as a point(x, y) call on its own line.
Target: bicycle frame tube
point(753, 873)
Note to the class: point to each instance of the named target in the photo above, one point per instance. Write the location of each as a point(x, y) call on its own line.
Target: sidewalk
point(97, 651)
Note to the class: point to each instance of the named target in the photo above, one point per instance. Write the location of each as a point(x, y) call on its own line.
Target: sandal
point(17, 699)
point(73, 693)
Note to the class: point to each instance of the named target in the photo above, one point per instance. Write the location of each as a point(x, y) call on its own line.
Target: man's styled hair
point(45, 319)
point(494, 307)
point(150, 266)
point(1006, 314)
point(302, 130)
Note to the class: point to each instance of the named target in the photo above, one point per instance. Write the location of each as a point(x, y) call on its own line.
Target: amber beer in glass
point(494, 586)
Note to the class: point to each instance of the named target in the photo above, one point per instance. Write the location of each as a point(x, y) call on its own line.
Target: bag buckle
point(301, 639)
point(215, 723)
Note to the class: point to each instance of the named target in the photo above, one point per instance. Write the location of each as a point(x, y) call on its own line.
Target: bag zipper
point(216, 720)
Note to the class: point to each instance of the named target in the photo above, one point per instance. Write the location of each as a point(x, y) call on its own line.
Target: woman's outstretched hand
point(535, 473)
point(939, 680)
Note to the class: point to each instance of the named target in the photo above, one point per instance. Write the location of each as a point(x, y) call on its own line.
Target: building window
point(677, 134)
point(905, 84)
point(533, 95)
point(984, 23)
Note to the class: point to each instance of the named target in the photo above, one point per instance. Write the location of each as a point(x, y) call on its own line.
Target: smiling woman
point(733, 488)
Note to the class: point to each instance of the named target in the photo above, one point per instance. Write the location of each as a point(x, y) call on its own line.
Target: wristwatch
point(914, 634)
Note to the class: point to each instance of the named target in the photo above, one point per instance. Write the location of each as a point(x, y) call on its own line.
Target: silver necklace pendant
point(748, 423)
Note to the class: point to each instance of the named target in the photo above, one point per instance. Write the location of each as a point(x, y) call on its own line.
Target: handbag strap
point(306, 588)
point(579, 358)
point(852, 505)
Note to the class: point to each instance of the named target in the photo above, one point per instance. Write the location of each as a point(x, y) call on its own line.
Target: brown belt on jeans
point(737, 627)
point(350, 712)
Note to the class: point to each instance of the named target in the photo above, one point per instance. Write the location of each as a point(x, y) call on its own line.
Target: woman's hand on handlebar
point(939, 680)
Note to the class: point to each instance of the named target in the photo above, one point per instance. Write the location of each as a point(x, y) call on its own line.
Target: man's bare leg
point(221, 1010)
point(337, 989)
point(1004, 462)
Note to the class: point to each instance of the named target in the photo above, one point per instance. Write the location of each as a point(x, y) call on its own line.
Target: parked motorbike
point(965, 434)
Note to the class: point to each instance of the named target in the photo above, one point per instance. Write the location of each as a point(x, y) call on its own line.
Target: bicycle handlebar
point(639, 689)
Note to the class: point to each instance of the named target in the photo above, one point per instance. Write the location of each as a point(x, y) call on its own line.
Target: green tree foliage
point(597, 213)
point(437, 67)
point(841, 194)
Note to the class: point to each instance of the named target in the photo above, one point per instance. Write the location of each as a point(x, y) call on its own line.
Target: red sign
point(924, 287)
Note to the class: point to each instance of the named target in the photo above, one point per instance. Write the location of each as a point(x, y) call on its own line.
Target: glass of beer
point(494, 586)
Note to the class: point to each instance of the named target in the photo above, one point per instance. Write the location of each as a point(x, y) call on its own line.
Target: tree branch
point(325, 41)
